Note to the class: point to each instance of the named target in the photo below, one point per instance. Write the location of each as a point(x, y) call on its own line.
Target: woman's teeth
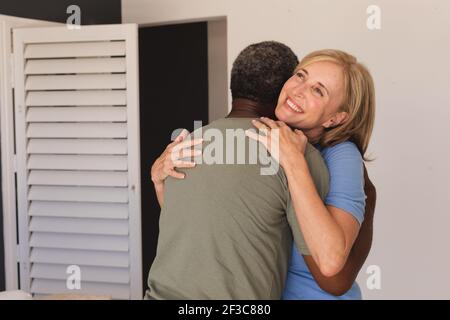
point(293, 106)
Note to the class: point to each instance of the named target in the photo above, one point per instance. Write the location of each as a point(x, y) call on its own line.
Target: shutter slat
point(88, 273)
point(77, 146)
point(76, 81)
point(79, 241)
point(117, 291)
point(76, 114)
point(78, 178)
point(77, 49)
point(79, 209)
point(80, 226)
point(77, 98)
point(80, 257)
point(84, 194)
point(77, 162)
point(77, 130)
point(80, 65)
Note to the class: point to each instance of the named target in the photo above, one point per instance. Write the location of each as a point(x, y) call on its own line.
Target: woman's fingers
point(183, 149)
point(175, 174)
point(269, 122)
point(280, 123)
point(188, 153)
point(187, 143)
point(261, 126)
point(254, 136)
point(183, 134)
point(184, 164)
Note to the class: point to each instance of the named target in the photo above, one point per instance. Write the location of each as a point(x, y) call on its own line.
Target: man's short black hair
point(260, 71)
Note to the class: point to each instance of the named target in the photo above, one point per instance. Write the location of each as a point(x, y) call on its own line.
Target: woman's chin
point(286, 118)
point(281, 116)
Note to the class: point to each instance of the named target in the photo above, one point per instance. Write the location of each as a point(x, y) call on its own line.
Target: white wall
point(408, 58)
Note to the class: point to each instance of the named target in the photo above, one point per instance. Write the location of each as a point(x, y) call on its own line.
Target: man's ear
point(338, 119)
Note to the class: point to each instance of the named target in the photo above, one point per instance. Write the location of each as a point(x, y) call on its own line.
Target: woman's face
point(310, 99)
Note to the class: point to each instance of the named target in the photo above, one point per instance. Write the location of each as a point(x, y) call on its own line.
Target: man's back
point(225, 229)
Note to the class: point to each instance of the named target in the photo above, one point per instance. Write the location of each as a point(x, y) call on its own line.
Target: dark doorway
point(173, 75)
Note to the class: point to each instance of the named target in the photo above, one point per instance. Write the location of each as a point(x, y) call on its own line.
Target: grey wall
point(92, 12)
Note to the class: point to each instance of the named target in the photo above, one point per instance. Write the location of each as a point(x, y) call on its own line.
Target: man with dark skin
point(250, 107)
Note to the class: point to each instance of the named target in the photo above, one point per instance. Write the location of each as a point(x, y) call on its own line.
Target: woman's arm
point(343, 281)
point(170, 159)
point(329, 232)
point(159, 189)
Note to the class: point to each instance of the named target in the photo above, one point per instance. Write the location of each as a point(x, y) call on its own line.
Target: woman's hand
point(283, 143)
point(172, 157)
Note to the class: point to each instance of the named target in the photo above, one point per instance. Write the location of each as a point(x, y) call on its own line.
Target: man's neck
point(245, 108)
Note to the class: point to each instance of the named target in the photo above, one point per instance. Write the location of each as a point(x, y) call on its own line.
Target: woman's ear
point(338, 119)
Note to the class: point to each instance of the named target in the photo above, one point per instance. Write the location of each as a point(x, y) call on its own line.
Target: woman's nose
point(298, 90)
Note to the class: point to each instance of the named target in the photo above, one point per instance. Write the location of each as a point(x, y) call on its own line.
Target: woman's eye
point(318, 91)
point(300, 75)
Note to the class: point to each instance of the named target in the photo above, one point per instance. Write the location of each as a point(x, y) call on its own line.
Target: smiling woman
point(315, 91)
point(318, 103)
point(318, 99)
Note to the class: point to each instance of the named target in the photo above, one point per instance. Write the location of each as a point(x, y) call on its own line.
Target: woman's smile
point(293, 106)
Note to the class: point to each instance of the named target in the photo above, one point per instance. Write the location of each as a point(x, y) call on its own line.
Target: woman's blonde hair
point(359, 100)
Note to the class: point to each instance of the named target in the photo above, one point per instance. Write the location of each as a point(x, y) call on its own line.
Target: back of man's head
point(260, 71)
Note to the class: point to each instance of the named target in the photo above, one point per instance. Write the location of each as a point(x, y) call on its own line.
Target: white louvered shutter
point(78, 163)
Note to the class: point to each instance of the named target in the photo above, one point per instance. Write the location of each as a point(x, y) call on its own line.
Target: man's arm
point(342, 282)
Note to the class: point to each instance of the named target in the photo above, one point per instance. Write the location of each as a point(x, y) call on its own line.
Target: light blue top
point(346, 192)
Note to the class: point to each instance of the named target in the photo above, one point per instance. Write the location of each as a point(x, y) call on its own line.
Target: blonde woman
point(330, 102)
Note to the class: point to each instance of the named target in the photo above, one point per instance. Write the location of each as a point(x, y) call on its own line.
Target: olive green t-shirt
point(226, 230)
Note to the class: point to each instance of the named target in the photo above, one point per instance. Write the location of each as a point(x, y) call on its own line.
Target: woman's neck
point(314, 134)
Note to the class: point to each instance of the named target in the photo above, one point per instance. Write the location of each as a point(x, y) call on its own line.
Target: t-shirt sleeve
point(346, 169)
point(319, 174)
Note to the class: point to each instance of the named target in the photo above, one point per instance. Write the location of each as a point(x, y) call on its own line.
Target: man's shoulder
point(228, 123)
point(312, 152)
